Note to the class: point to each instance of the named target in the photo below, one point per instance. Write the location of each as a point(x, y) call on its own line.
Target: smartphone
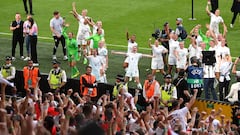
point(107, 92)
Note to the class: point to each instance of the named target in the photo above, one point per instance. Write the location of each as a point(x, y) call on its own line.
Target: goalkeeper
point(72, 51)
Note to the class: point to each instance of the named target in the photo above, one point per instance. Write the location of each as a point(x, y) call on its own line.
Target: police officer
point(57, 78)
point(168, 91)
point(117, 86)
point(8, 72)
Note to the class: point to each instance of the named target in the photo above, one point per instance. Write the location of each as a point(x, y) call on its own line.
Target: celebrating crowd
point(154, 108)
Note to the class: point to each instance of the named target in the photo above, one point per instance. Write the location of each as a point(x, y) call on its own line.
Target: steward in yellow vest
point(57, 78)
point(7, 74)
point(8, 70)
point(117, 86)
point(168, 91)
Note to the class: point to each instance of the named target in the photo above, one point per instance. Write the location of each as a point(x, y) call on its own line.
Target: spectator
point(57, 78)
point(56, 25)
point(179, 114)
point(17, 28)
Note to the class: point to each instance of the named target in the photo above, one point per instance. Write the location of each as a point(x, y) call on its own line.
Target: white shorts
point(132, 73)
point(82, 42)
point(91, 44)
point(157, 64)
point(180, 65)
point(172, 60)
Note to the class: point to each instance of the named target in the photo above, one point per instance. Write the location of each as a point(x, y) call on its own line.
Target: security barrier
point(228, 109)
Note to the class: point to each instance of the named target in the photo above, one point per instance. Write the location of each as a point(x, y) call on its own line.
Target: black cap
point(181, 73)
point(55, 62)
point(168, 76)
point(120, 77)
point(8, 58)
point(194, 59)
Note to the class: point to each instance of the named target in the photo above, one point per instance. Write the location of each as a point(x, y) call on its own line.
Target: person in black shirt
point(164, 38)
point(17, 28)
point(182, 88)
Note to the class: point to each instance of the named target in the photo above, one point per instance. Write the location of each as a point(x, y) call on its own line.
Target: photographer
point(195, 76)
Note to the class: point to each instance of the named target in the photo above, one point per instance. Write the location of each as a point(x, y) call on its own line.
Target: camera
point(156, 34)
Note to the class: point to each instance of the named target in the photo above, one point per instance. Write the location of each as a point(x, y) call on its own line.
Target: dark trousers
point(28, 47)
point(33, 43)
point(209, 85)
point(57, 40)
point(15, 40)
point(25, 6)
point(214, 5)
point(223, 88)
point(234, 17)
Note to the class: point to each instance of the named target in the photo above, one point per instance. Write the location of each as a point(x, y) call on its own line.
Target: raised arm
point(74, 8)
point(224, 30)
point(234, 69)
point(120, 53)
point(207, 9)
point(147, 55)
point(193, 99)
point(64, 32)
point(150, 42)
point(127, 35)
